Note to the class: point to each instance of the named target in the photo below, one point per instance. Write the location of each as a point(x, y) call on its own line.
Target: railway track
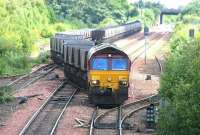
point(159, 64)
point(100, 126)
point(141, 50)
point(115, 120)
point(130, 47)
point(128, 121)
point(135, 51)
point(129, 41)
point(46, 119)
point(26, 80)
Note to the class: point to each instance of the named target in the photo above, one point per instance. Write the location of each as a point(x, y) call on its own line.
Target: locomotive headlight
point(124, 82)
point(95, 82)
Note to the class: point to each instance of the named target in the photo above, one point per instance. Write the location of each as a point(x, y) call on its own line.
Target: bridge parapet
point(169, 11)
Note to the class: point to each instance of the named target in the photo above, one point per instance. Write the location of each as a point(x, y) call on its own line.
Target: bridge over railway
point(167, 11)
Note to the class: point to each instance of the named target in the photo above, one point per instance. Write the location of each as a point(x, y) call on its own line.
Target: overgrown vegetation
point(24, 22)
point(180, 88)
point(5, 94)
point(151, 13)
point(181, 80)
point(92, 12)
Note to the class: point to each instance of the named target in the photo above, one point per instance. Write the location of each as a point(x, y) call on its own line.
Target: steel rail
point(28, 79)
point(24, 76)
point(128, 114)
point(37, 78)
point(103, 114)
point(126, 105)
point(92, 121)
point(143, 51)
point(141, 46)
point(159, 64)
point(63, 110)
point(119, 127)
point(4, 76)
point(119, 121)
point(140, 100)
point(39, 110)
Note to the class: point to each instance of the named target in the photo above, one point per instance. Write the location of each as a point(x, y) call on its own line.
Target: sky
point(170, 3)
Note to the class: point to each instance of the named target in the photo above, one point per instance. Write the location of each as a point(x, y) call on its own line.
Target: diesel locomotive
point(101, 68)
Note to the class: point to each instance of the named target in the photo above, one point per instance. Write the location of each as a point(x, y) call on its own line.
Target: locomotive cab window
point(99, 64)
point(119, 64)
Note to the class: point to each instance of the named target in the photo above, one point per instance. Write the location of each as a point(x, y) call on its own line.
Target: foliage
point(43, 58)
point(192, 8)
point(91, 11)
point(180, 81)
point(180, 85)
point(22, 21)
point(180, 37)
point(5, 94)
point(191, 19)
point(149, 17)
point(190, 13)
point(169, 19)
point(14, 63)
point(22, 24)
point(107, 22)
point(149, 12)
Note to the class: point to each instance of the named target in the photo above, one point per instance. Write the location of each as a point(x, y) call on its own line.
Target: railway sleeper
point(57, 103)
point(126, 126)
point(60, 99)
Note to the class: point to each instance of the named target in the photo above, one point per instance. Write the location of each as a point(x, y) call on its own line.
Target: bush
point(43, 58)
point(5, 94)
point(14, 63)
point(107, 22)
point(60, 27)
point(47, 32)
point(180, 88)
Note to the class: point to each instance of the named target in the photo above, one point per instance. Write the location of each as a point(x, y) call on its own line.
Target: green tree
point(91, 11)
point(180, 86)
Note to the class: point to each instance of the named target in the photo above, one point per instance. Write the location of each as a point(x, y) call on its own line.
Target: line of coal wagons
point(88, 56)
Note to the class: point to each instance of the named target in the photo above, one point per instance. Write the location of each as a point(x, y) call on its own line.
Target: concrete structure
point(166, 11)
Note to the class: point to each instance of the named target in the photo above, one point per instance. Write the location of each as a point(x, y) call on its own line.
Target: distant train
point(102, 68)
point(114, 33)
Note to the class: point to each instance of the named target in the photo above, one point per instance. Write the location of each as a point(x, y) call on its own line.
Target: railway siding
point(45, 120)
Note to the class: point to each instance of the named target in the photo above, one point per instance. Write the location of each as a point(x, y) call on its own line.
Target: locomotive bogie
point(107, 97)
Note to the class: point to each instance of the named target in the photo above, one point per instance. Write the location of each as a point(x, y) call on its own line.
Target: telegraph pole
point(146, 33)
point(145, 59)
